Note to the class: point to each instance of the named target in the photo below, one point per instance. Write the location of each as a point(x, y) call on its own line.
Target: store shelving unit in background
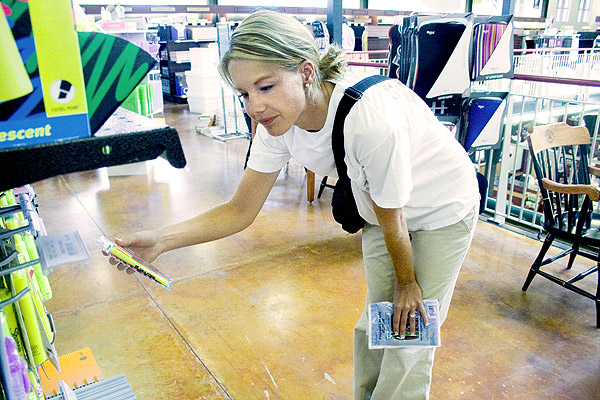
point(172, 66)
point(125, 138)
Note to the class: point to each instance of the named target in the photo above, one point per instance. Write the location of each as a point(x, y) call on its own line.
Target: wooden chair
point(560, 159)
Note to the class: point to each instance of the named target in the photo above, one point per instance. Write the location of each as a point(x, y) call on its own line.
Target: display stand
point(125, 138)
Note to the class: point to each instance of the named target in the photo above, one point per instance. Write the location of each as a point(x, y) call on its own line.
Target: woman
point(413, 183)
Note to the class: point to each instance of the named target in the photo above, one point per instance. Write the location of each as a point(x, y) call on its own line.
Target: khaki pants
point(405, 373)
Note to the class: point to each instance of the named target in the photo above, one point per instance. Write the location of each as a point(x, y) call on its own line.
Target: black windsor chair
point(560, 159)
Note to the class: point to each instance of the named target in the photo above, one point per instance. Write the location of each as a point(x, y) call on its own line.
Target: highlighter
point(27, 306)
point(43, 318)
point(12, 323)
point(11, 200)
point(3, 199)
point(127, 256)
point(18, 378)
point(42, 280)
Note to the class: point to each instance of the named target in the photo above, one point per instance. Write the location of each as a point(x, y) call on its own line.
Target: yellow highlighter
point(44, 319)
point(125, 255)
point(27, 306)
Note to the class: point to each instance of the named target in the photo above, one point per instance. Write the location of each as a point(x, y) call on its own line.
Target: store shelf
point(176, 66)
point(125, 138)
point(219, 9)
point(170, 67)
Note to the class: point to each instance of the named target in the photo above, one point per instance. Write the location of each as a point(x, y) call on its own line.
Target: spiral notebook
point(81, 379)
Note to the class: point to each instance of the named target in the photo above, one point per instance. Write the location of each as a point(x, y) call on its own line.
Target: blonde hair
point(273, 37)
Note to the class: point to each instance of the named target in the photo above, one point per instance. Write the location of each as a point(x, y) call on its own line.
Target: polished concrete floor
point(268, 313)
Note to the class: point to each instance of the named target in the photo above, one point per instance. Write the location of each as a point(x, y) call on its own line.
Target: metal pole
point(334, 21)
point(469, 6)
point(508, 7)
point(544, 11)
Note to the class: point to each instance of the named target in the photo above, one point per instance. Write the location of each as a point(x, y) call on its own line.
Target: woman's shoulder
point(391, 92)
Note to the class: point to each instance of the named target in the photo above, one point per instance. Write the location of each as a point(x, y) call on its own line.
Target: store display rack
point(172, 70)
point(125, 138)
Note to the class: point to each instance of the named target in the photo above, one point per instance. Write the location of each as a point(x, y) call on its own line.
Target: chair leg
point(573, 255)
point(538, 261)
point(323, 184)
point(597, 312)
point(598, 299)
point(310, 185)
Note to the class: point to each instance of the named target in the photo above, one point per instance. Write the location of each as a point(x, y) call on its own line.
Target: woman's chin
point(275, 131)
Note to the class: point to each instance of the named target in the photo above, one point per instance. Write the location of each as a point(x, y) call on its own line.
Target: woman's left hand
point(407, 300)
point(408, 297)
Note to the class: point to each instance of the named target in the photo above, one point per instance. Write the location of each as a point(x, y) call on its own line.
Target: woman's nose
point(254, 104)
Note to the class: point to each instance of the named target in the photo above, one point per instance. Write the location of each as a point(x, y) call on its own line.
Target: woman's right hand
point(147, 245)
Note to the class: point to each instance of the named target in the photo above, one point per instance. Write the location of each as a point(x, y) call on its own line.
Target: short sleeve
point(388, 171)
point(267, 153)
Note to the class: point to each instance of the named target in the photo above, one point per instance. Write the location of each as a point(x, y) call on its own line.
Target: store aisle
point(268, 313)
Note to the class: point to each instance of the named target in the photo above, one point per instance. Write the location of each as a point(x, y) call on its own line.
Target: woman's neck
point(315, 114)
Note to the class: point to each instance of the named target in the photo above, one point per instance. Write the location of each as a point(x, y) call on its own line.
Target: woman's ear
point(307, 70)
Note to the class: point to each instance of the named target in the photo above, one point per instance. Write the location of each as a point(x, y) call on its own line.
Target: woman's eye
point(266, 88)
point(243, 96)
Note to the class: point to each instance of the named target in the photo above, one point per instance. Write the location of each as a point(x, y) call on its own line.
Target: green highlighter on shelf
point(126, 256)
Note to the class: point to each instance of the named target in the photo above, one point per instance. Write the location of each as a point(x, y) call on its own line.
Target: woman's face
point(272, 95)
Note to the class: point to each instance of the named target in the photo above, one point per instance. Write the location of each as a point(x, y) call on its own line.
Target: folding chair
point(560, 159)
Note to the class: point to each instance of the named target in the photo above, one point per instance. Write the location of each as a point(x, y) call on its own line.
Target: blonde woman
point(413, 183)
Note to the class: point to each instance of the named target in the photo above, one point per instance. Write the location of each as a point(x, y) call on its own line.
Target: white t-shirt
point(397, 153)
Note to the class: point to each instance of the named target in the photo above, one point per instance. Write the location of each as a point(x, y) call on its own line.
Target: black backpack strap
point(351, 96)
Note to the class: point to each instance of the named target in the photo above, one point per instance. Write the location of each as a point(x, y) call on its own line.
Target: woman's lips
point(267, 121)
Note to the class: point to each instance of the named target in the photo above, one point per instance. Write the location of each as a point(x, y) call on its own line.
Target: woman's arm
point(407, 293)
point(216, 223)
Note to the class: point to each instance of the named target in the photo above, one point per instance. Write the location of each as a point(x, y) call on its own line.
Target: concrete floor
point(269, 313)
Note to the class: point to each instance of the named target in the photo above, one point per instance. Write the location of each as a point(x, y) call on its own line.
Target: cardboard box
point(56, 109)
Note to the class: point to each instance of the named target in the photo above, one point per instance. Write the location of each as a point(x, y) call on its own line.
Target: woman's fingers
point(407, 319)
point(412, 318)
point(423, 314)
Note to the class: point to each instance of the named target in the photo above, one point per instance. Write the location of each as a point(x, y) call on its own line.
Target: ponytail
point(333, 64)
